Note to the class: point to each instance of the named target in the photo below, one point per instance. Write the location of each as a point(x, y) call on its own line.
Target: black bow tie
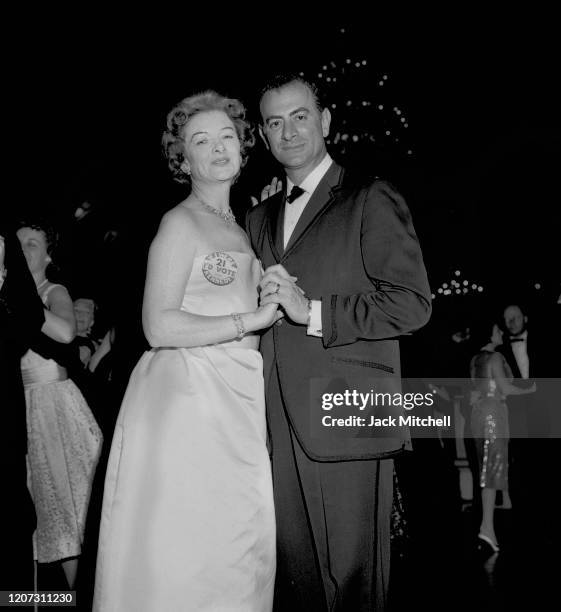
point(295, 192)
point(516, 340)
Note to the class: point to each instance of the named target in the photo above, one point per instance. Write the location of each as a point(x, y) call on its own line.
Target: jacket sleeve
point(400, 299)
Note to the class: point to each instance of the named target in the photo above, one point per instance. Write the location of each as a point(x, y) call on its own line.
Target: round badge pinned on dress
point(219, 268)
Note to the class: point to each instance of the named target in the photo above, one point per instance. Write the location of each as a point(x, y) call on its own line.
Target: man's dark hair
point(285, 78)
point(520, 304)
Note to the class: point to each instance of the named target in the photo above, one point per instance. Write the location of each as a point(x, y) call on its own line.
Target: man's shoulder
point(355, 181)
point(259, 211)
point(375, 190)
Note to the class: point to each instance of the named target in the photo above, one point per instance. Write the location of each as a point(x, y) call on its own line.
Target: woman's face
point(34, 246)
point(212, 148)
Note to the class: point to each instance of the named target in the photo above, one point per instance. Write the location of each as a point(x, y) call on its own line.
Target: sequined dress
point(64, 444)
point(489, 423)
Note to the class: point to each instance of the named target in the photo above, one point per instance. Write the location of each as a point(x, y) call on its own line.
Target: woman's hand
point(266, 315)
point(278, 287)
point(269, 190)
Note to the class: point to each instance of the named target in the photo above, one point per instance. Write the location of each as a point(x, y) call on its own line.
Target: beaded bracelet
point(239, 324)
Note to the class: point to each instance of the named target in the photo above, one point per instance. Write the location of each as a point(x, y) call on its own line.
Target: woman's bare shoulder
point(180, 221)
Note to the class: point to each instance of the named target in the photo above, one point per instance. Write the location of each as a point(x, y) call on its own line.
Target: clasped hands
point(279, 287)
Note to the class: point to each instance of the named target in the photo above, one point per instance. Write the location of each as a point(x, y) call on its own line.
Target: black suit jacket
point(355, 249)
point(536, 414)
point(541, 346)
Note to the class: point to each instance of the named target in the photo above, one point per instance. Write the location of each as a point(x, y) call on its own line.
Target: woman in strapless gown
point(64, 440)
point(492, 379)
point(188, 519)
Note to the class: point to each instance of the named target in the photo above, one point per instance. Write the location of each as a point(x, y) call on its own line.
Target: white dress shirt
point(292, 213)
point(520, 352)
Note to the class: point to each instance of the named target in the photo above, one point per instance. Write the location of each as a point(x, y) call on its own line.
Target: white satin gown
point(188, 518)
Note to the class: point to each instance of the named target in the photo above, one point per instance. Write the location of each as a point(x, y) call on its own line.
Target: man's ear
point(325, 122)
point(185, 167)
point(264, 138)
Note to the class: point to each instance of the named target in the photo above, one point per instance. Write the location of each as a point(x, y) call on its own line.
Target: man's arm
point(400, 300)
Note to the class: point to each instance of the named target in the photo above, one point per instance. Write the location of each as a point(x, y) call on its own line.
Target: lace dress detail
point(64, 442)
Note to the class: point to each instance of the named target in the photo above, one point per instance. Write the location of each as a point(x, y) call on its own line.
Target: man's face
point(515, 321)
point(293, 127)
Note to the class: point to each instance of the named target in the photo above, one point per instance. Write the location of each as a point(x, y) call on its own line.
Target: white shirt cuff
point(314, 328)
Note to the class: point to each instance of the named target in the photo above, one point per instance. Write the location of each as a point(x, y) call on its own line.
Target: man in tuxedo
point(515, 351)
point(527, 351)
point(516, 345)
point(343, 261)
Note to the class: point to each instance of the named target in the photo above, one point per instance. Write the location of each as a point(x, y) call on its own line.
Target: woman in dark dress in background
point(492, 379)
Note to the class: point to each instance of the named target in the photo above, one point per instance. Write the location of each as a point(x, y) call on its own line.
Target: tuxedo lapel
point(322, 197)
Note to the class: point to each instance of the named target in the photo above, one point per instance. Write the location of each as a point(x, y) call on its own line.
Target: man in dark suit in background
point(530, 349)
point(515, 350)
point(352, 247)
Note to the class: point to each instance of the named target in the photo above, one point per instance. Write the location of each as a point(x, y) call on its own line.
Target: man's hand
point(269, 190)
point(278, 287)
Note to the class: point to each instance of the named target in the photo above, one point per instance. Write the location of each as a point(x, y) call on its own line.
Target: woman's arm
point(60, 324)
point(504, 384)
point(169, 266)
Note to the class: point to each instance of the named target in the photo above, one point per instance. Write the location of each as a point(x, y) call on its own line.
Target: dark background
point(90, 98)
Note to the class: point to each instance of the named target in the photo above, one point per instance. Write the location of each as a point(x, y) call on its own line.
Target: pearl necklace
point(44, 282)
point(225, 215)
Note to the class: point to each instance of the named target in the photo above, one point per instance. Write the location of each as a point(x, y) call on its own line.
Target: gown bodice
point(221, 283)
